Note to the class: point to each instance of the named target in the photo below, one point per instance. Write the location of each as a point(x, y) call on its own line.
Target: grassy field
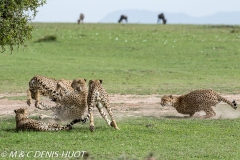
point(131, 59)
point(165, 138)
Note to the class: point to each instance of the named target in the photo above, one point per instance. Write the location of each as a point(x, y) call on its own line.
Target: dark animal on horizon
point(161, 17)
point(81, 17)
point(122, 17)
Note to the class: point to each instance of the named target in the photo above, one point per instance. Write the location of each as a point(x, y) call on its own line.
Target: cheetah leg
point(89, 116)
point(209, 112)
point(191, 114)
point(43, 106)
point(54, 117)
point(100, 109)
point(91, 122)
point(29, 100)
point(37, 95)
point(113, 123)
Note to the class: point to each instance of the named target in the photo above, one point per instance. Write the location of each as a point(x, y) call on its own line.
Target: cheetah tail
point(76, 121)
point(56, 127)
point(66, 128)
point(43, 106)
point(233, 104)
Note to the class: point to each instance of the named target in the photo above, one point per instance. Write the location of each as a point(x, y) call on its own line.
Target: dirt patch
point(123, 106)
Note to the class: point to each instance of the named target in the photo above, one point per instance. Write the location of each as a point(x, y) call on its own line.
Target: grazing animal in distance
point(123, 17)
point(81, 17)
point(195, 101)
point(24, 123)
point(161, 17)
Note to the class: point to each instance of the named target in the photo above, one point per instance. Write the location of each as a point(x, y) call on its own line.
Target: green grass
point(14, 97)
point(131, 59)
point(166, 138)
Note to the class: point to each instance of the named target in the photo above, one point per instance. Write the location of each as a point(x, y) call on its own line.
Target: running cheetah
point(195, 101)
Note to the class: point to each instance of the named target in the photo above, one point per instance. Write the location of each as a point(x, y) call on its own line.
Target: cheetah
point(72, 105)
point(97, 96)
point(195, 101)
point(41, 85)
point(23, 123)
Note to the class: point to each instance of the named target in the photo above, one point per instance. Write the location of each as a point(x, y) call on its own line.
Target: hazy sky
point(95, 10)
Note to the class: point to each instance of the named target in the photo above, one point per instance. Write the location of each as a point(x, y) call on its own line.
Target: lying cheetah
point(72, 105)
point(195, 101)
point(41, 85)
point(97, 96)
point(24, 123)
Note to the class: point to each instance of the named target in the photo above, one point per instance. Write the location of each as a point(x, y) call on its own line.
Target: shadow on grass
point(85, 128)
point(10, 130)
point(47, 38)
point(177, 117)
point(168, 117)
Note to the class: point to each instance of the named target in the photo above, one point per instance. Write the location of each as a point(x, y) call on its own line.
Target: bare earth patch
point(124, 106)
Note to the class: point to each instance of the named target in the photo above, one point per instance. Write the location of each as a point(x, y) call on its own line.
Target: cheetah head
point(166, 100)
point(96, 90)
point(21, 113)
point(79, 84)
point(95, 84)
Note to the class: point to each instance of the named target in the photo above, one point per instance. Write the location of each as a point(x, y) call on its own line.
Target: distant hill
point(144, 16)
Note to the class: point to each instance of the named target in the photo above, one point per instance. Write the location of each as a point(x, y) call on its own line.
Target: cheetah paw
point(40, 116)
point(91, 128)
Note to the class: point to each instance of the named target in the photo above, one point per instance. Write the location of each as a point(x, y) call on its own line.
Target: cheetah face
point(94, 84)
point(79, 84)
point(166, 100)
point(21, 112)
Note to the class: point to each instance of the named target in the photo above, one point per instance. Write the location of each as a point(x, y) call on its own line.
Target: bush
point(48, 38)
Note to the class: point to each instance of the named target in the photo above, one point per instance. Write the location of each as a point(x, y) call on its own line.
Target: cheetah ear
point(15, 110)
point(85, 80)
point(101, 81)
point(90, 82)
point(171, 96)
point(72, 83)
